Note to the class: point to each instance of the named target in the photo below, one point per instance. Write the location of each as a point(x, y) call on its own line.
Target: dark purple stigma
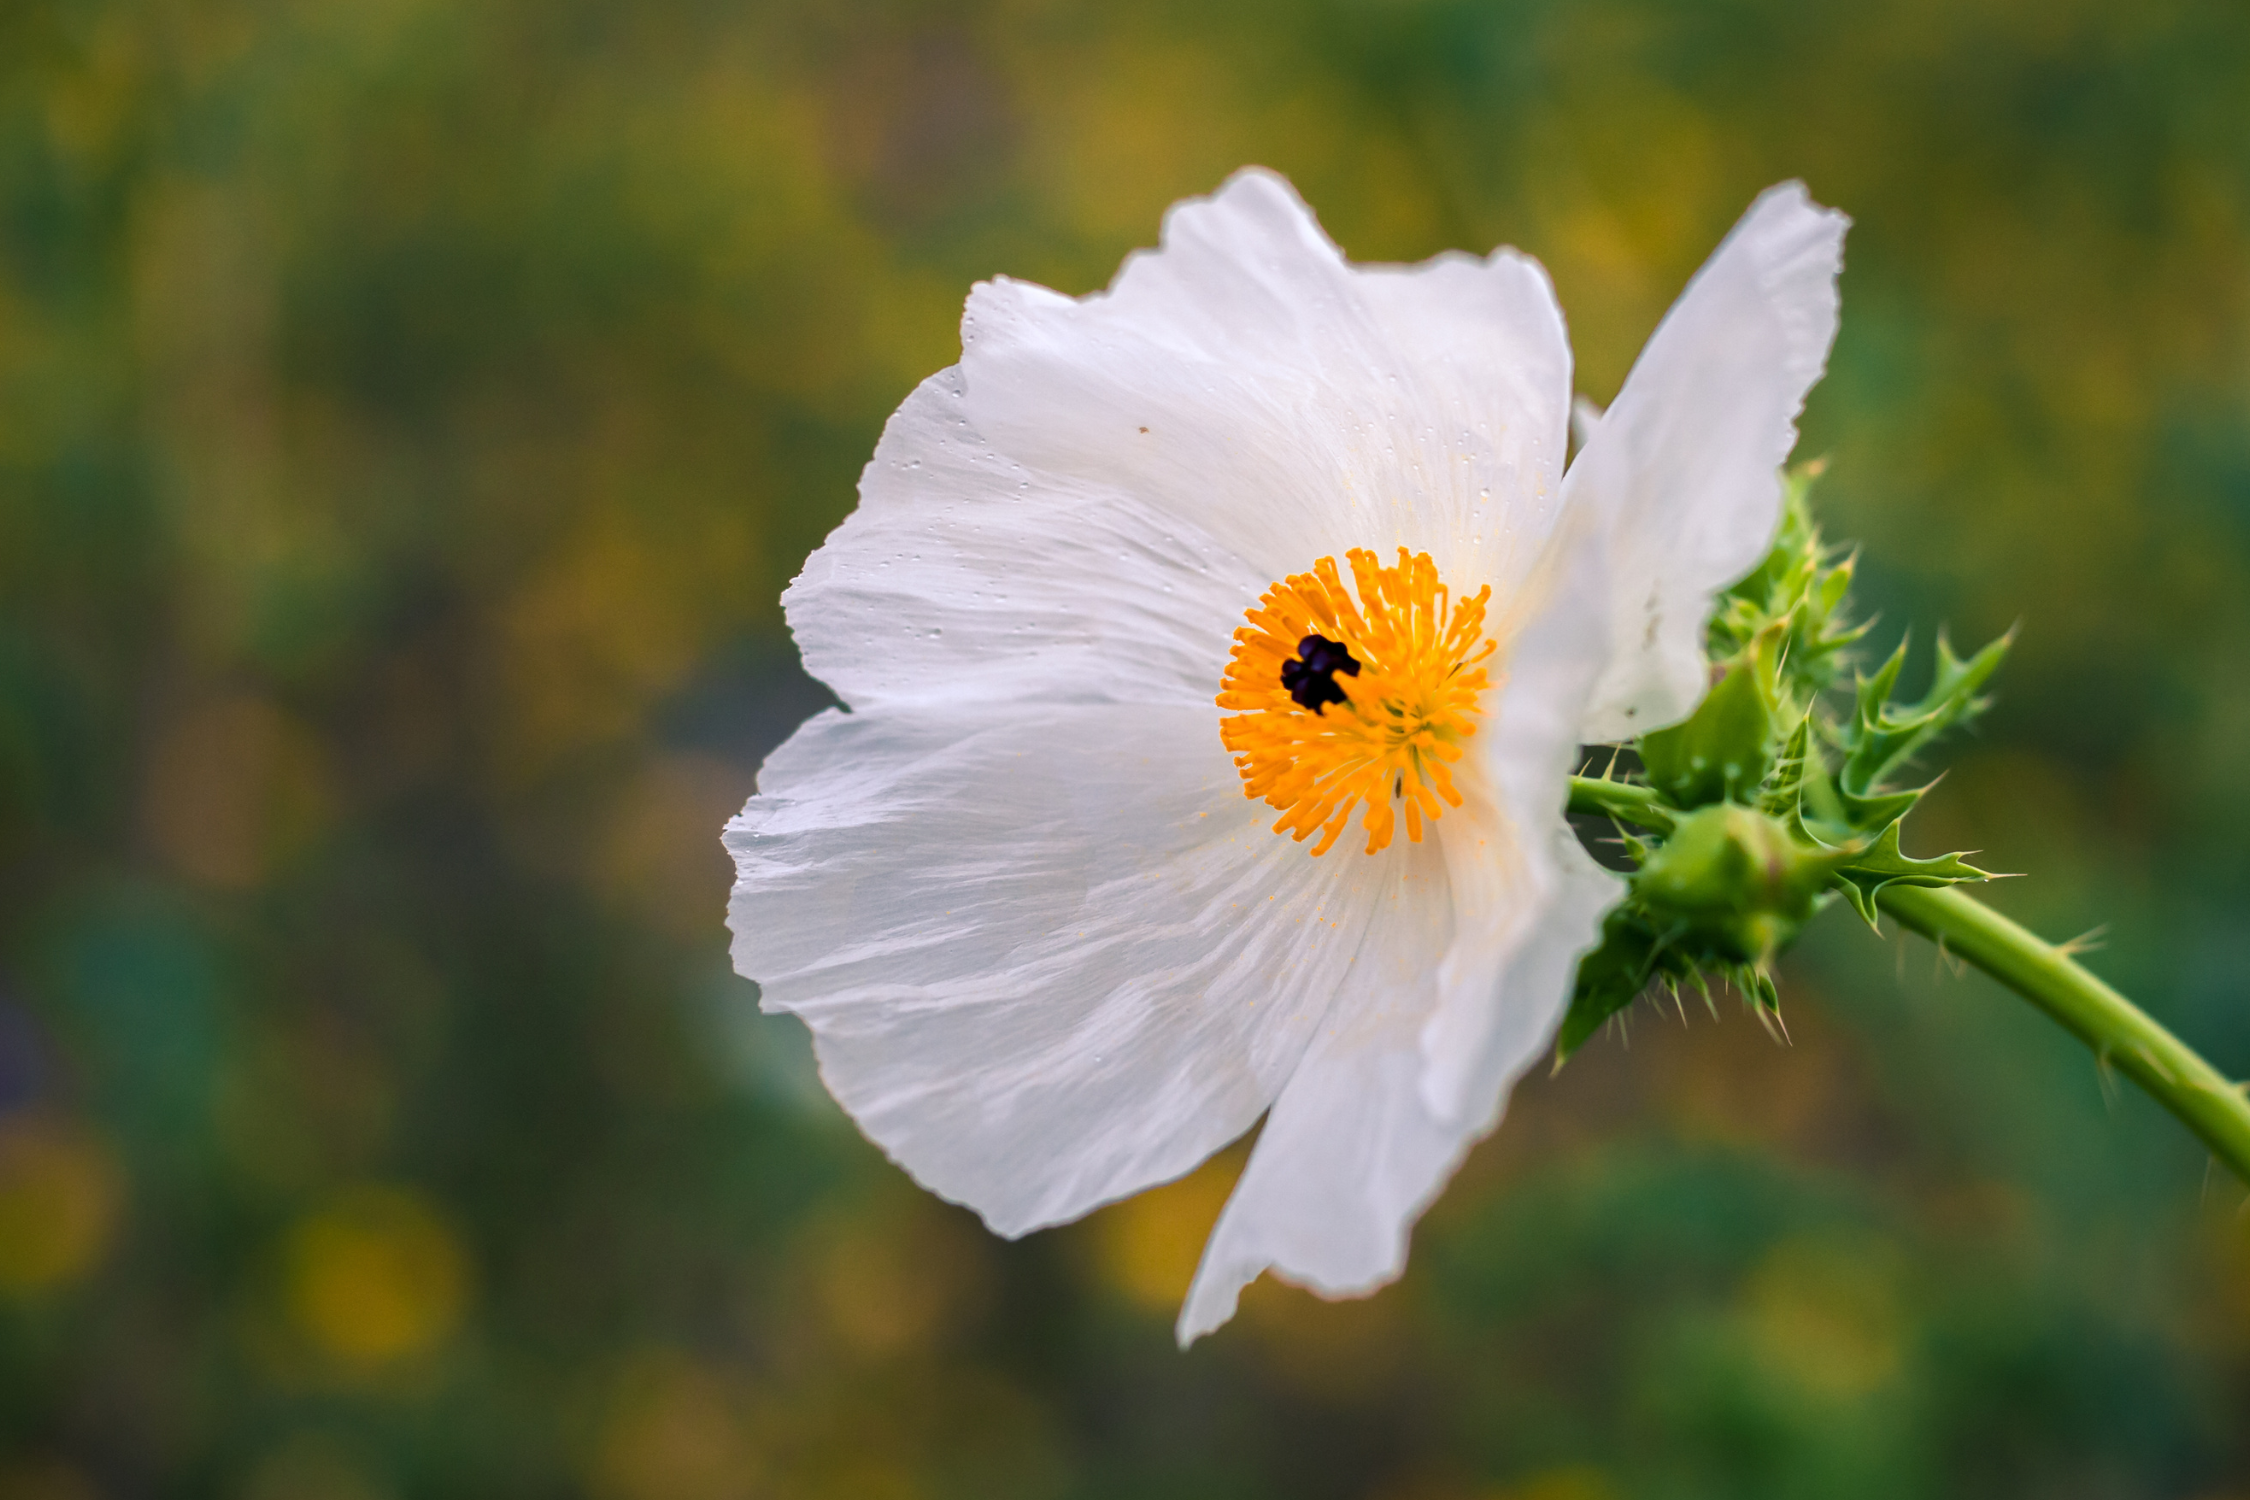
point(1312, 681)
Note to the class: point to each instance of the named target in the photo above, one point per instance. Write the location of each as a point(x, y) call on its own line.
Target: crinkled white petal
point(1082, 509)
point(1540, 903)
point(1050, 956)
point(1684, 467)
point(1464, 974)
point(966, 576)
point(1350, 1155)
point(1245, 378)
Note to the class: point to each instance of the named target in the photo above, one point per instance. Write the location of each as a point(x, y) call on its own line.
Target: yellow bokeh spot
point(1574, 1482)
point(45, 1479)
point(1150, 1243)
point(58, 1203)
point(675, 1431)
point(376, 1276)
point(1825, 1315)
point(311, 1466)
point(894, 1279)
point(1567, 1482)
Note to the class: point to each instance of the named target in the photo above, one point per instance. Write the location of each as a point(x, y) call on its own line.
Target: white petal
point(1462, 979)
point(1050, 957)
point(964, 576)
point(1537, 908)
point(1352, 1152)
point(1246, 379)
point(1081, 511)
point(1684, 467)
point(1349, 1156)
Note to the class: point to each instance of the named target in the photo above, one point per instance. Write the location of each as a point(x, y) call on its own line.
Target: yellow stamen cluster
point(1413, 701)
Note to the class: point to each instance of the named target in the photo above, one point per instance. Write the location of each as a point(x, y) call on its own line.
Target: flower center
point(1343, 703)
point(1312, 680)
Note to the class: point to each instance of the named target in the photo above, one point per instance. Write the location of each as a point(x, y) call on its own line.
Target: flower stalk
point(2121, 1034)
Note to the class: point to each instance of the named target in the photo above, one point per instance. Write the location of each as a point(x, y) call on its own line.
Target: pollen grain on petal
point(1341, 702)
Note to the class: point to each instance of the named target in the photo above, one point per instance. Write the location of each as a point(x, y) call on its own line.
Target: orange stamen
point(1414, 700)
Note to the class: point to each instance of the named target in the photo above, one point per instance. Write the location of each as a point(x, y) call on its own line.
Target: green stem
point(2119, 1032)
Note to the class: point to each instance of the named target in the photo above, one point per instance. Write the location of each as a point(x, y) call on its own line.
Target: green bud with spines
point(1772, 797)
point(1735, 882)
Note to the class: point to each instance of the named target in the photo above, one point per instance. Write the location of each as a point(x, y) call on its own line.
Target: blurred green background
point(409, 412)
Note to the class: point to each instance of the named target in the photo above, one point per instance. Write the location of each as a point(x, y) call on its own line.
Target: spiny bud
point(1737, 880)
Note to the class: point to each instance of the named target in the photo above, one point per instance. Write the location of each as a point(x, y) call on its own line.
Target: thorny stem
point(2121, 1035)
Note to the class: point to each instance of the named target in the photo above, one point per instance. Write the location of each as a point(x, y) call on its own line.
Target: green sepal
point(1863, 734)
point(1800, 588)
point(1868, 874)
point(1757, 985)
point(1861, 901)
point(1609, 978)
point(1789, 770)
point(1883, 736)
point(1879, 811)
point(1864, 867)
point(1807, 791)
point(1804, 796)
point(1724, 750)
point(1637, 952)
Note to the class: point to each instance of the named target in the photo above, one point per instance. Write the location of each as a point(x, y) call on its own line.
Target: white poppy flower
point(1031, 892)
